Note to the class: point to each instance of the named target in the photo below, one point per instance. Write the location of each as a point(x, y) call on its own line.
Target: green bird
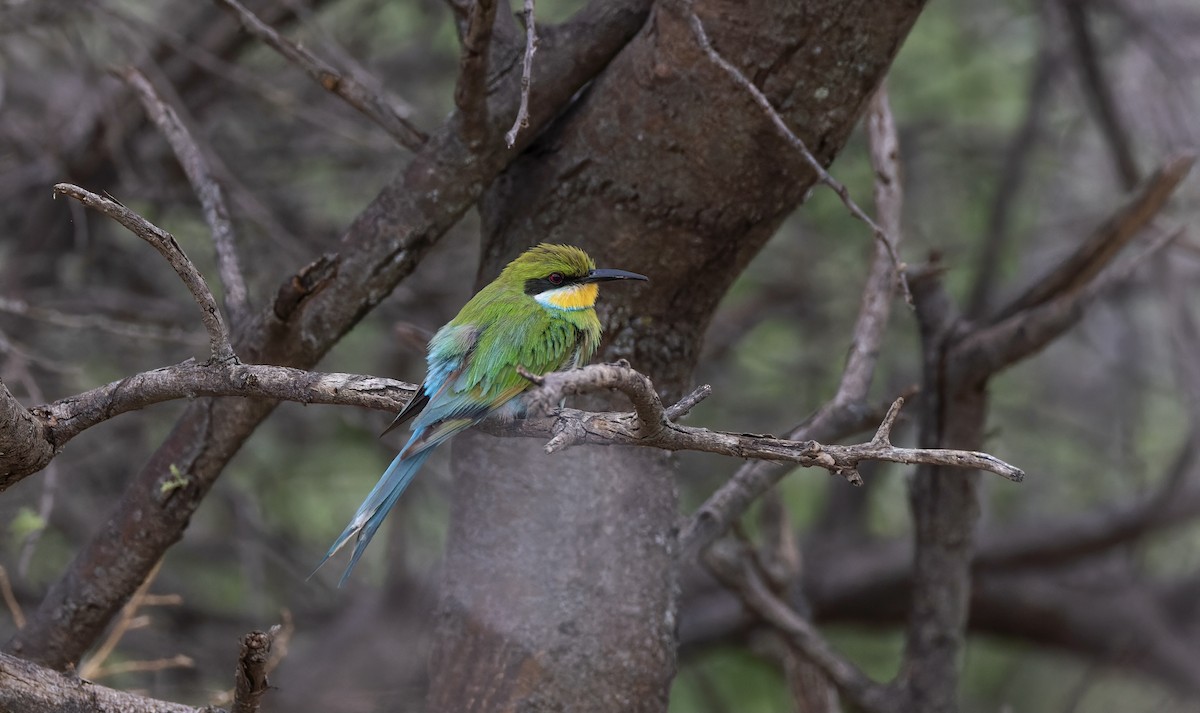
point(538, 314)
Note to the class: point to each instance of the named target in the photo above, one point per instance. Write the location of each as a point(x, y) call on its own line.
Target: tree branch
point(216, 214)
point(377, 109)
point(1099, 249)
point(30, 688)
point(164, 243)
point(470, 92)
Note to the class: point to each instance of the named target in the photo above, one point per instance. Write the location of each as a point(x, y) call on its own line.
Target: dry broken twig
point(195, 166)
point(250, 676)
point(375, 108)
point(165, 244)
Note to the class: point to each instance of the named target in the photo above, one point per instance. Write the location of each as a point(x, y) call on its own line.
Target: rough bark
point(667, 167)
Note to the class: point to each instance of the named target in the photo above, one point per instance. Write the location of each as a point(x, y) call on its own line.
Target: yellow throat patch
point(572, 298)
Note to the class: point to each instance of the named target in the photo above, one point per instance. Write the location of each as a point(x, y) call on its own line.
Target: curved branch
point(164, 243)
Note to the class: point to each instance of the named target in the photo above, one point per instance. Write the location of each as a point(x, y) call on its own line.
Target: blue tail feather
point(375, 508)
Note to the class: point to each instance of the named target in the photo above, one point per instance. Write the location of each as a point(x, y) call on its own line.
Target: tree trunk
point(560, 584)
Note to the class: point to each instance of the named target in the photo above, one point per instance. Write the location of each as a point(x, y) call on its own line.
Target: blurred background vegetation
point(999, 146)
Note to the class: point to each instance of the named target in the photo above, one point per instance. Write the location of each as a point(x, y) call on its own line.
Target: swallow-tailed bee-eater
point(538, 314)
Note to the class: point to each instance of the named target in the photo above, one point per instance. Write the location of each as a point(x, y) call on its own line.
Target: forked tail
point(375, 508)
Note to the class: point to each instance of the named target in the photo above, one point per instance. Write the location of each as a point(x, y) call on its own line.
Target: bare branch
point(347, 88)
point(531, 42)
point(1099, 249)
point(216, 214)
point(164, 243)
point(57, 423)
point(470, 93)
point(988, 350)
point(250, 677)
point(797, 143)
point(649, 426)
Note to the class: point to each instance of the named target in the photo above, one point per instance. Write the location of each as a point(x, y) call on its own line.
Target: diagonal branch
point(164, 243)
point(1099, 249)
point(375, 108)
point(33, 689)
point(216, 214)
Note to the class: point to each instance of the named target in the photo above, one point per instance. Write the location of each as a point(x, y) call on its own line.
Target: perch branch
point(164, 243)
point(216, 214)
point(531, 42)
point(375, 108)
point(797, 143)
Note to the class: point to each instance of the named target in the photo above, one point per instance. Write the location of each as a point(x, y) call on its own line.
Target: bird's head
point(561, 276)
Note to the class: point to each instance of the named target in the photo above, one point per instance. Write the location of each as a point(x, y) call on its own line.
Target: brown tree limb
point(206, 188)
point(349, 90)
point(470, 91)
point(1099, 249)
point(988, 350)
point(30, 688)
point(531, 42)
point(164, 243)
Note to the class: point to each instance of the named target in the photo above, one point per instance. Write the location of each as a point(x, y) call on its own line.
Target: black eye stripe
point(541, 284)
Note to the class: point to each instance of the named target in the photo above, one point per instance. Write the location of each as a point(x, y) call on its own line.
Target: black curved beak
point(606, 274)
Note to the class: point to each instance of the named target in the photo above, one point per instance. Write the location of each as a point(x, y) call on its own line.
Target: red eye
point(555, 278)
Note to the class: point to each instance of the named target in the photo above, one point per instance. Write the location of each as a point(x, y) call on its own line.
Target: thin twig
point(126, 622)
point(165, 244)
point(195, 166)
point(347, 88)
point(797, 143)
point(99, 322)
point(531, 41)
point(10, 599)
